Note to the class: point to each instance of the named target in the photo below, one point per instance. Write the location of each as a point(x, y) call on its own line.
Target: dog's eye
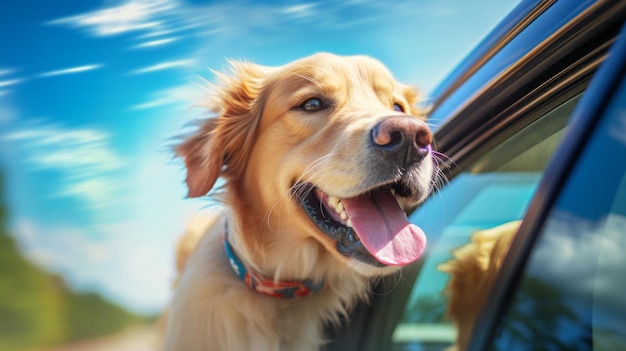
point(312, 105)
point(398, 107)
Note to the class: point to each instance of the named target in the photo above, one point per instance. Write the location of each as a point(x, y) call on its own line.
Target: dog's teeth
point(333, 201)
point(336, 204)
point(393, 191)
point(339, 207)
point(349, 223)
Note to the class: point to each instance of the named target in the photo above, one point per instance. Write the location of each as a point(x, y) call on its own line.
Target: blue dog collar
point(287, 289)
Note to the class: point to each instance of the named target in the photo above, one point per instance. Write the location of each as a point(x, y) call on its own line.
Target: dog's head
point(326, 148)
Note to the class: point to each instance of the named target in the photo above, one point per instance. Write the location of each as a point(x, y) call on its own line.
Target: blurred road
point(134, 339)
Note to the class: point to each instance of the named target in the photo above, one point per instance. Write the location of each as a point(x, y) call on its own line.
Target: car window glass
point(555, 17)
point(493, 190)
point(571, 293)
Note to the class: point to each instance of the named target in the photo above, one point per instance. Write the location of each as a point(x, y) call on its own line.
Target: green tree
point(31, 306)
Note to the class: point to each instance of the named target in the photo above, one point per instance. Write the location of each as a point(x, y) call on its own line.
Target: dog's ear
point(222, 145)
point(203, 165)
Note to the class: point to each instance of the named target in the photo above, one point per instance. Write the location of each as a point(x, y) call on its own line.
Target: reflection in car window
point(571, 294)
point(495, 189)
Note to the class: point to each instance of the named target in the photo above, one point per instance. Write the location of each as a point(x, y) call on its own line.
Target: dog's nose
point(404, 138)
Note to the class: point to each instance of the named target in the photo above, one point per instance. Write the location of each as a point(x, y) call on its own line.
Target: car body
point(532, 124)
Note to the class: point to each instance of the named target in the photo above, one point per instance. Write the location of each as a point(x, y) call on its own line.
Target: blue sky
point(91, 91)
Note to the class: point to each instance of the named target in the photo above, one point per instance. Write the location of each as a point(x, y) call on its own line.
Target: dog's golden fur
point(472, 273)
point(263, 146)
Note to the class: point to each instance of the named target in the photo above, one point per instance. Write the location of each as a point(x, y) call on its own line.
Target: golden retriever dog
point(472, 273)
point(319, 158)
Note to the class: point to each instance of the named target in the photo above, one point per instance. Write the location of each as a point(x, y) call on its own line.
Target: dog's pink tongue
point(383, 228)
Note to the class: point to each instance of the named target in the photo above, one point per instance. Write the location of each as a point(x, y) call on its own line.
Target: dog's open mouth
point(371, 227)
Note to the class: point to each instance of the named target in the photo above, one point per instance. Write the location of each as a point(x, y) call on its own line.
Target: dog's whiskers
point(398, 278)
point(299, 189)
point(440, 179)
point(313, 166)
point(440, 157)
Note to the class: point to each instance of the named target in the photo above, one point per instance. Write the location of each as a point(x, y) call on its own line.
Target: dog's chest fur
point(215, 310)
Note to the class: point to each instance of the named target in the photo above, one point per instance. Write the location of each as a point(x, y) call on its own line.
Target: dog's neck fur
point(286, 289)
point(270, 245)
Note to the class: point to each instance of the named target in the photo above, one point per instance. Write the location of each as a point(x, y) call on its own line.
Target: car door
point(562, 284)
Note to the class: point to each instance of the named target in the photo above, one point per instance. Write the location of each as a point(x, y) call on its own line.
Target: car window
point(495, 189)
point(571, 293)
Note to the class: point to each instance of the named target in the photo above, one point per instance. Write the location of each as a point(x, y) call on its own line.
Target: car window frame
point(585, 118)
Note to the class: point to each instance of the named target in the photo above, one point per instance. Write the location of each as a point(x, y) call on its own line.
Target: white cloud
point(98, 193)
point(7, 71)
point(55, 146)
point(71, 70)
point(158, 42)
point(161, 18)
point(10, 82)
point(185, 95)
point(158, 102)
point(6, 84)
point(300, 11)
point(164, 66)
point(83, 158)
point(157, 33)
point(126, 16)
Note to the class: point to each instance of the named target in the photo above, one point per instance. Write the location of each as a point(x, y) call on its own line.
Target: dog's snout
point(405, 138)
